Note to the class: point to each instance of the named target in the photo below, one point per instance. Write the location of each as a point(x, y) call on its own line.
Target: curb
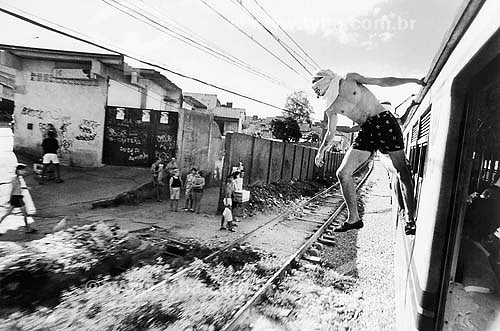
point(132, 197)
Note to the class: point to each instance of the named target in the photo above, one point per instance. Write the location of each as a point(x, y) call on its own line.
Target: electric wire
point(179, 26)
point(187, 40)
point(314, 63)
point(207, 46)
point(122, 53)
point(278, 40)
point(218, 13)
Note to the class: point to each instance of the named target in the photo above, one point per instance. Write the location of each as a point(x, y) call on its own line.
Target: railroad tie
point(326, 242)
point(312, 259)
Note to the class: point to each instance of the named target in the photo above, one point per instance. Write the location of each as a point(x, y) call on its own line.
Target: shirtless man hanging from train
point(378, 129)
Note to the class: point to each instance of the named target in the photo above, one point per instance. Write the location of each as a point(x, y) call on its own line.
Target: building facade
point(228, 118)
point(102, 110)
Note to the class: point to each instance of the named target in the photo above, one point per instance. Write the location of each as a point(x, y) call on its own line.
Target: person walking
point(198, 187)
point(379, 130)
point(16, 196)
point(175, 185)
point(189, 190)
point(50, 147)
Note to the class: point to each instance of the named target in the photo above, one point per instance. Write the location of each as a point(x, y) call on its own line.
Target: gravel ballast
point(354, 289)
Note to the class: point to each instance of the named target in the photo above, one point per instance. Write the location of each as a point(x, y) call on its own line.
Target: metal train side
point(440, 137)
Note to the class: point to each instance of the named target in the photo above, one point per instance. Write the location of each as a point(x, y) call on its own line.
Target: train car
point(447, 279)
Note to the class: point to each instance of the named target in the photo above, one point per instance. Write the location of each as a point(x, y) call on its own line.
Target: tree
point(286, 130)
point(298, 107)
point(312, 137)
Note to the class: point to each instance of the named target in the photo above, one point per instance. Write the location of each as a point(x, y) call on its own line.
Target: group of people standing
point(167, 174)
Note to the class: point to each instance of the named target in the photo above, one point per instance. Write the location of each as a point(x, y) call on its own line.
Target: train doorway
point(470, 282)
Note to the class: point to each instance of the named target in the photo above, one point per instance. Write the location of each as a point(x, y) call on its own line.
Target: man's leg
point(352, 160)
point(44, 173)
point(405, 182)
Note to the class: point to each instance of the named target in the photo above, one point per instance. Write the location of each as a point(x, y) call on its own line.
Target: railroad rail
point(271, 222)
point(243, 313)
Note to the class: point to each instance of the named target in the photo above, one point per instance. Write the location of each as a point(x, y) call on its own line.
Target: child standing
point(227, 215)
point(189, 187)
point(175, 185)
point(16, 197)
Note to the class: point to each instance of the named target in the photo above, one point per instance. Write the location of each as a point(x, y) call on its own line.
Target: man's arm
point(384, 81)
point(348, 129)
point(328, 140)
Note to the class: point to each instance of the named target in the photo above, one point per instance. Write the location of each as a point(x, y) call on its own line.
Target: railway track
point(321, 235)
point(306, 223)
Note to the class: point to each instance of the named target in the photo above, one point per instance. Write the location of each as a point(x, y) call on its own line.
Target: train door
point(470, 282)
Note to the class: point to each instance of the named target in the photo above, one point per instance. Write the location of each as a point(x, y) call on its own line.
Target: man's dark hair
point(194, 169)
point(51, 134)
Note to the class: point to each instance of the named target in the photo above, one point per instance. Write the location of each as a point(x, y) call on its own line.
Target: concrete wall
point(257, 173)
point(122, 94)
point(200, 144)
point(266, 161)
point(75, 108)
point(288, 162)
point(277, 151)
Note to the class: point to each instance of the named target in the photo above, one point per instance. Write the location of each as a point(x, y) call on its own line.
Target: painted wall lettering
point(87, 130)
point(31, 112)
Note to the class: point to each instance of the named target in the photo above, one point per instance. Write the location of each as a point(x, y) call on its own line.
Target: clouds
point(364, 23)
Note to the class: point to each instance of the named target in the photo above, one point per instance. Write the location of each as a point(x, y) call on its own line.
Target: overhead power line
point(278, 40)
point(162, 27)
point(252, 39)
point(66, 34)
point(315, 64)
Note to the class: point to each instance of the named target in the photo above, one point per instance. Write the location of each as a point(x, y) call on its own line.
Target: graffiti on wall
point(66, 141)
point(45, 128)
point(41, 114)
point(122, 137)
point(31, 112)
point(87, 131)
point(164, 142)
point(134, 153)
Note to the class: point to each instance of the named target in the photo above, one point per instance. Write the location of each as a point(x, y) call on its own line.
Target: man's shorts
point(380, 132)
point(16, 201)
point(50, 157)
point(175, 193)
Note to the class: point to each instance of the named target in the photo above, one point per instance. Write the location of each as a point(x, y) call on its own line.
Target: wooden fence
point(266, 161)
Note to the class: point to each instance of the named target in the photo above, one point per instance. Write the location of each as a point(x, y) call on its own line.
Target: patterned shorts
point(380, 132)
point(16, 201)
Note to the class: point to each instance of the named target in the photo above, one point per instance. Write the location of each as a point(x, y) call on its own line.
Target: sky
point(375, 38)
